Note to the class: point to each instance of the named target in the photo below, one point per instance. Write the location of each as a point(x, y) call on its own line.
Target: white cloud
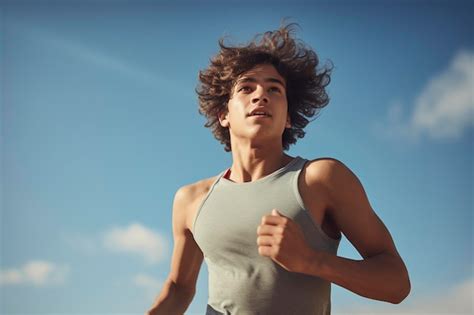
point(136, 239)
point(36, 272)
point(444, 108)
point(454, 300)
point(11, 276)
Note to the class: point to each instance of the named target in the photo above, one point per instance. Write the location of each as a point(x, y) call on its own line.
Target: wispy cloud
point(138, 240)
point(454, 300)
point(444, 109)
point(36, 272)
point(93, 55)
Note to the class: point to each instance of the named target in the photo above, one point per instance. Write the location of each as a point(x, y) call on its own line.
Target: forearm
point(173, 300)
point(382, 277)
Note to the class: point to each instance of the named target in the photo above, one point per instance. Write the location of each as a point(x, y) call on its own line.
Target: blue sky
point(100, 128)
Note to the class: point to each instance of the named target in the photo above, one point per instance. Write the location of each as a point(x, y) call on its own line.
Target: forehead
point(262, 72)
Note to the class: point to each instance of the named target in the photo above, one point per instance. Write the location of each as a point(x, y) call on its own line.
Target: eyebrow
point(253, 80)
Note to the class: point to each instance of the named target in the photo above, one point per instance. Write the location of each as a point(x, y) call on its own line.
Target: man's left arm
point(381, 275)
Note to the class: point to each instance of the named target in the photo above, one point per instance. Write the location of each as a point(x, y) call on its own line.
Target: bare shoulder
point(331, 176)
point(195, 190)
point(190, 197)
point(325, 170)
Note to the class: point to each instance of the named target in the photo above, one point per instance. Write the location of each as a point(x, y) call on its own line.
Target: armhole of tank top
point(204, 200)
point(298, 197)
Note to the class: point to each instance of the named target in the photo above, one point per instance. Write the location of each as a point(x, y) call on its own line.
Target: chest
point(229, 218)
point(226, 225)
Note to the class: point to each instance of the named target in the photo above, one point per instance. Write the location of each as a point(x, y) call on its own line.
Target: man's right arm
point(180, 287)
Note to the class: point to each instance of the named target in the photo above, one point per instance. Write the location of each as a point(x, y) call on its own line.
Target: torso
point(316, 200)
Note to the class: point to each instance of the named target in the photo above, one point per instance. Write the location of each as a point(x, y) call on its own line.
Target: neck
point(252, 162)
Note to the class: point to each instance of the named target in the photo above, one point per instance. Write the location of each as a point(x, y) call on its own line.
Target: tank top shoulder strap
point(219, 176)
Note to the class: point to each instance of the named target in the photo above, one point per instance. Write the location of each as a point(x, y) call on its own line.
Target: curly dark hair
point(294, 61)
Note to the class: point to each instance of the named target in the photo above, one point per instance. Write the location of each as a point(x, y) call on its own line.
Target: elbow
point(402, 293)
point(403, 286)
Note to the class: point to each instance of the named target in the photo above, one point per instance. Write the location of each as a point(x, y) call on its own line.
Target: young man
point(270, 225)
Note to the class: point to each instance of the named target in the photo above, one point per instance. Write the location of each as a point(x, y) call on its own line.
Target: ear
point(223, 118)
point(288, 121)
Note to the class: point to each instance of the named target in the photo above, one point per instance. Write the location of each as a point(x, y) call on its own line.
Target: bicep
point(187, 256)
point(353, 214)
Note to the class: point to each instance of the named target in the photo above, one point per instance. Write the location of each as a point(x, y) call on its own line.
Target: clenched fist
point(282, 239)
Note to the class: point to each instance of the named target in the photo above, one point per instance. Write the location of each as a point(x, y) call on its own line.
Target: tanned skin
point(331, 192)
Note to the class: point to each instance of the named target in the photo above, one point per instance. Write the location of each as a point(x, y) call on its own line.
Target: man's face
point(257, 108)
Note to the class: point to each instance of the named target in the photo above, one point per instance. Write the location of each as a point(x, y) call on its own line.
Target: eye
point(244, 89)
point(275, 89)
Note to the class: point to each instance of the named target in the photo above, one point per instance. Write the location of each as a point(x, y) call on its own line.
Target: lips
point(259, 112)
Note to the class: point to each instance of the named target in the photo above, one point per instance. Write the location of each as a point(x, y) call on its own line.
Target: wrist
point(313, 263)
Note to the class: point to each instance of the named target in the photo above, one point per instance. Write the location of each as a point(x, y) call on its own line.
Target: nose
point(260, 96)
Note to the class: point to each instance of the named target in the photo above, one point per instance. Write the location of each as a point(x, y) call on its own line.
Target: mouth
point(258, 113)
point(259, 116)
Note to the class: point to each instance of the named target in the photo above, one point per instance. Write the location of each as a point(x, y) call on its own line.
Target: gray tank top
point(240, 280)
